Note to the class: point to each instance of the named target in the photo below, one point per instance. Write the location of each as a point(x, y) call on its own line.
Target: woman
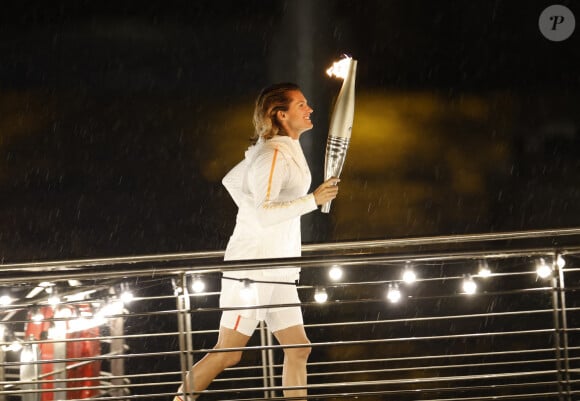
point(270, 189)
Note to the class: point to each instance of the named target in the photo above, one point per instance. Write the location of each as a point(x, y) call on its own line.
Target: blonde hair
point(271, 100)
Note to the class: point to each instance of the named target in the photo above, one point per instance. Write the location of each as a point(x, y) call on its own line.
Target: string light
point(197, 285)
point(469, 286)
point(5, 300)
point(543, 270)
point(320, 295)
point(484, 270)
point(335, 273)
point(409, 275)
point(126, 297)
point(560, 261)
point(393, 293)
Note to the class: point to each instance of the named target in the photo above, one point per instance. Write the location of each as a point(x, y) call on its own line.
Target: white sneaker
point(180, 397)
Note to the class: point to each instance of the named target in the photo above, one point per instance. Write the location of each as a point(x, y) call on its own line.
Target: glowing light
point(335, 273)
point(394, 294)
point(54, 300)
point(82, 323)
point(126, 297)
point(57, 331)
point(28, 354)
point(469, 286)
point(247, 291)
point(484, 270)
point(37, 317)
point(560, 262)
point(409, 275)
point(320, 295)
point(15, 346)
point(63, 313)
point(5, 300)
point(543, 270)
point(111, 309)
point(339, 68)
point(198, 285)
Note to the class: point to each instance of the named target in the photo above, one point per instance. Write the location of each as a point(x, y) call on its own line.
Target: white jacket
point(270, 189)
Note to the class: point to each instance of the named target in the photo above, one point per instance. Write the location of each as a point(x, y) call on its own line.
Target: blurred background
point(118, 119)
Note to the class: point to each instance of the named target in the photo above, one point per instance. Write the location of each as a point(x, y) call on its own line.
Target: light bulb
point(126, 297)
point(409, 276)
point(5, 300)
point(560, 261)
point(469, 286)
point(197, 285)
point(320, 295)
point(37, 317)
point(394, 294)
point(543, 270)
point(335, 273)
point(484, 270)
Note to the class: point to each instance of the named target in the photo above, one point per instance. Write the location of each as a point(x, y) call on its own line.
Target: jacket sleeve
point(233, 182)
point(267, 175)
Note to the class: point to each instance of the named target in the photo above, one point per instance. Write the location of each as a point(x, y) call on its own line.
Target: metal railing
point(457, 332)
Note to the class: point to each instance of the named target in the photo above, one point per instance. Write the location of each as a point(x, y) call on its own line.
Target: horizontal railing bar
point(375, 341)
point(350, 245)
point(323, 386)
point(435, 379)
point(10, 274)
point(333, 385)
point(413, 391)
point(440, 356)
point(429, 318)
point(434, 367)
point(91, 378)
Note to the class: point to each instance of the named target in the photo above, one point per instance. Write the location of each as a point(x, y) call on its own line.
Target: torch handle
point(336, 148)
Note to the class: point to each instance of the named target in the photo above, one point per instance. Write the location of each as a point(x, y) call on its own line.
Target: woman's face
point(297, 119)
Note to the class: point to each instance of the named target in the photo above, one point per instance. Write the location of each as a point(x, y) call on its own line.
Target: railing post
point(2, 361)
point(564, 324)
point(184, 325)
point(267, 360)
point(117, 326)
point(556, 321)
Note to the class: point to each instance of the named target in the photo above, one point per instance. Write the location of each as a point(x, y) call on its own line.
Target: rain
point(118, 122)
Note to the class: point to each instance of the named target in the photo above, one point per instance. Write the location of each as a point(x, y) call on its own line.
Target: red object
point(84, 346)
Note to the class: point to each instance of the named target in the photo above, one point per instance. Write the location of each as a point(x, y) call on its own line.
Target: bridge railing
point(490, 316)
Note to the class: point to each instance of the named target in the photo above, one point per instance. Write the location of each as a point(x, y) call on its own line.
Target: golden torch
point(340, 121)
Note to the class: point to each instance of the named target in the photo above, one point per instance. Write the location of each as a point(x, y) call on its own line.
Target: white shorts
point(257, 298)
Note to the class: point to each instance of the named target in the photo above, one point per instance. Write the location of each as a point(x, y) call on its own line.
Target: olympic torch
point(340, 121)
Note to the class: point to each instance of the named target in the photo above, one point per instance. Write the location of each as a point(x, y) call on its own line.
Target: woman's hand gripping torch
point(340, 121)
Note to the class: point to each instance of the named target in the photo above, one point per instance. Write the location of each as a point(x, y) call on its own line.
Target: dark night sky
point(118, 118)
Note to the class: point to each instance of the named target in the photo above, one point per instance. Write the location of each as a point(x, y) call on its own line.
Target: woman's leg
point(212, 364)
point(295, 359)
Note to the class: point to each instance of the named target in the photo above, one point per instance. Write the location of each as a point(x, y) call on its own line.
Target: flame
point(340, 68)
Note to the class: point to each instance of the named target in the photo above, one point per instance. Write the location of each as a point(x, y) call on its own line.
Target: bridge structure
point(463, 317)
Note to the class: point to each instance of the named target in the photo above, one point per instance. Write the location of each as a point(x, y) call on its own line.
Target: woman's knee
point(300, 354)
